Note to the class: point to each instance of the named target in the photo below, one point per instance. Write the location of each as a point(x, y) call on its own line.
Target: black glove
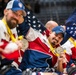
point(5, 62)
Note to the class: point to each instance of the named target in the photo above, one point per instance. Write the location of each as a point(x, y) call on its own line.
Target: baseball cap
point(59, 29)
point(16, 5)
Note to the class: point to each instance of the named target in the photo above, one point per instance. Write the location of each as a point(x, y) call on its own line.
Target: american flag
point(32, 21)
point(71, 25)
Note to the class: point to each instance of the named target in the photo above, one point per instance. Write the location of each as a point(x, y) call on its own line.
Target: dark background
point(44, 10)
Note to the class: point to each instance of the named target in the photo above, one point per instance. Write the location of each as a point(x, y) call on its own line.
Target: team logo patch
point(20, 5)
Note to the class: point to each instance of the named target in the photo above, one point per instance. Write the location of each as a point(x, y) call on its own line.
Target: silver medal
point(59, 50)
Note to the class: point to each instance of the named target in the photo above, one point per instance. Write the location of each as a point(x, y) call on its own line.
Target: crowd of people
point(47, 53)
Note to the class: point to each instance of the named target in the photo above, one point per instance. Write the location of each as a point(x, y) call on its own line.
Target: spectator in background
point(50, 25)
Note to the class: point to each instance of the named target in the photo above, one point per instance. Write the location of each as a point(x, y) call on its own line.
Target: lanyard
point(53, 50)
point(10, 32)
point(72, 41)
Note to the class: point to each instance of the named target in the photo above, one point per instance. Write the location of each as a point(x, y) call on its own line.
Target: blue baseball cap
point(16, 5)
point(59, 29)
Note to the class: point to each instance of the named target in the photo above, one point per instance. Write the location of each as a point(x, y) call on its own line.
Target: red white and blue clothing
point(38, 52)
point(10, 48)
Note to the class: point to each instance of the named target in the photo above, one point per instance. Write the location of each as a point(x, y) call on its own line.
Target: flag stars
point(39, 25)
point(75, 32)
point(33, 17)
point(71, 32)
point(73, 35)
point(28, 12)
point(28, 16)
point(34, 25)
point(67, 28)
point(18, 31)
point(39, 30)
point(71, 27)
point(29, 24)
point(29, 20)
point(74, 23)
point(34, 22)
point(17, 25)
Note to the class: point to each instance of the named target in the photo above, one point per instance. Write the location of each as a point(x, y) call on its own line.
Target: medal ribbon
point(53, 50)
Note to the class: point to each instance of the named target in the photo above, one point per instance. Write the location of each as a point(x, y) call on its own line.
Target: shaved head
point(50, 25)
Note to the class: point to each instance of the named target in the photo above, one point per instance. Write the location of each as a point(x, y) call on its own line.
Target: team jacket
point(11, 51)
point(38, 52)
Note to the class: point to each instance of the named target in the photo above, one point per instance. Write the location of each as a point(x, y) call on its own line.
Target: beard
point(54, 42)
point(11, 23)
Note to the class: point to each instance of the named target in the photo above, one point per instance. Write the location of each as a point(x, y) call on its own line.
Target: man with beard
point(9, 45)
point(40, 49)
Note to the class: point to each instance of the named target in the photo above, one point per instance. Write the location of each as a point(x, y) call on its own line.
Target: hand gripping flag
point(32, 21)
